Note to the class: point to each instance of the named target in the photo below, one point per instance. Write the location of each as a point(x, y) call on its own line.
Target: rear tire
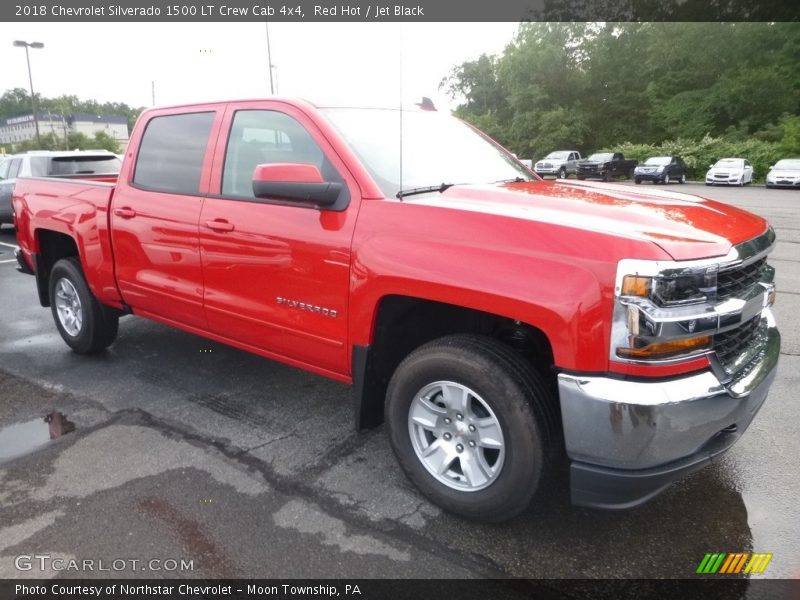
point(683, 178)
point(637, 181)
point(84, 324)
point(472, 426)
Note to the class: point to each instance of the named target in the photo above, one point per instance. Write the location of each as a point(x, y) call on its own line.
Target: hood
point(685, 226)
point(791, 172)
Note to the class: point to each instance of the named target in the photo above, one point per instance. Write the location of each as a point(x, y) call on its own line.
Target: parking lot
point(188, 449)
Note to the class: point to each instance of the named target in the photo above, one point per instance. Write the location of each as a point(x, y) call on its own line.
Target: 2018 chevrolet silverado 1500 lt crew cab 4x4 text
point(493, 320)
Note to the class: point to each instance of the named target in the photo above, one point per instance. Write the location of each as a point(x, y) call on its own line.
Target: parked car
point(784, 173)
point(661, 169)
point(94, 164)
point(560, 163)
point(638, 338)
point(730, 171)
point(6, 214)
point(606, 165)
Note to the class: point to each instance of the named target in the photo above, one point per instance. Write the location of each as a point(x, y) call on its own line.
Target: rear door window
point(13, 170)
point(171, 153)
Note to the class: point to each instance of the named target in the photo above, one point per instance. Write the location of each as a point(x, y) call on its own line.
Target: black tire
point(99, 326)
point(637, 181)
point(562, 173)
point(682, 179)
point(605, 176)
point(524, 408)
point(666, 179)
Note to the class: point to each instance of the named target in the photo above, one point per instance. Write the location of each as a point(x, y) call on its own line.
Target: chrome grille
point(731, 344)
point(733, 282)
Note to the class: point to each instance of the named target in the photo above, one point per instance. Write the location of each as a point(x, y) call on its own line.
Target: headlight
point(687, 287)
point(639, 337)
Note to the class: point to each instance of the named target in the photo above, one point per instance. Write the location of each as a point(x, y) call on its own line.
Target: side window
point(4, 165)
point(747, 163)
point(13, 169)
point(171, 153)
point(260, 137)
point(573, 156)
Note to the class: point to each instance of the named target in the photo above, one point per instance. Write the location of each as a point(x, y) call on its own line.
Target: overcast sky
point(337, 63)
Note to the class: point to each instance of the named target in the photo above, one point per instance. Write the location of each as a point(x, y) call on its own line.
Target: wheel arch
point(403, 323)
point(52, 247)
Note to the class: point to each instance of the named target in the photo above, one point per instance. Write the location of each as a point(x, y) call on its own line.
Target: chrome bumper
point(629, 440)
point(641, 424)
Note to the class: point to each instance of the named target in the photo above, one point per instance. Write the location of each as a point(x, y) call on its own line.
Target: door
point(748, 172)
point(154, 217)
point(277, 274)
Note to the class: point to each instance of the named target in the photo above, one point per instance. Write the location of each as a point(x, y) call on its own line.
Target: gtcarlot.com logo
point(733, 563)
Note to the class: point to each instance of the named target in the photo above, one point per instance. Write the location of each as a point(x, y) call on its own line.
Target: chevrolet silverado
point(494, 321)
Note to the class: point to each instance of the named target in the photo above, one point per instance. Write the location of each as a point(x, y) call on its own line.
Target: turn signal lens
point(633, 285)
point(665, 349)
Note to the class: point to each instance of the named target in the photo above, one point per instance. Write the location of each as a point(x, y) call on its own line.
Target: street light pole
point(26, 45)
point(269, 62)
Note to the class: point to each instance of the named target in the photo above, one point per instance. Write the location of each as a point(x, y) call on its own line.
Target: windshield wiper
point(424, 190)
point(513, 180)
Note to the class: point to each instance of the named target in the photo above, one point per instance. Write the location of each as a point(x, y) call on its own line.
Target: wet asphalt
point(186, 449)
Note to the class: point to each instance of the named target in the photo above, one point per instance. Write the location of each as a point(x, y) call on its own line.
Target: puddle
point(23, 438)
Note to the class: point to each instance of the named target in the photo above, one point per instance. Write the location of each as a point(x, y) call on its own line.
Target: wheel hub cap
point(68, 307)
point(456, 436)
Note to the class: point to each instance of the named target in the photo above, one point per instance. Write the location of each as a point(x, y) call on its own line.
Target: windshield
point(788, 163)
point(730, 163)
point(437, 148)
point(658, 161)
point(557, 155)
point(601, 156)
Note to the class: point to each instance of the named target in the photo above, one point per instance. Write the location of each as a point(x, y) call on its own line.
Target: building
point(20, 129)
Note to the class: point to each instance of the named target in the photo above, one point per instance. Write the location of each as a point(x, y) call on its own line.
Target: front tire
point(637, 181)
point(84, 324)
point(562, 173)
point(666, 179)
point(472, 426)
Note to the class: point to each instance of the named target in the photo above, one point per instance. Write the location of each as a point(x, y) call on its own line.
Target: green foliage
point(586, 85)
point(75, 141)
point(17, 101)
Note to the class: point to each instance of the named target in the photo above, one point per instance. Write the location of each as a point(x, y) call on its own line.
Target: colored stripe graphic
point(728, 564)
point(758, 563)
point(711, 563)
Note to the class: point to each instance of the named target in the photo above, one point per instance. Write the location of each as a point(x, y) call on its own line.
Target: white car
point(784, 173)
point(730, 171)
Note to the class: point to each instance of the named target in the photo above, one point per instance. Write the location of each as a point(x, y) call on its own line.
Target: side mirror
point(772, 166)
point(298, 182)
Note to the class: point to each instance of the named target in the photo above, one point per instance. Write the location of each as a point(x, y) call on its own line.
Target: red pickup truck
point(493, 320)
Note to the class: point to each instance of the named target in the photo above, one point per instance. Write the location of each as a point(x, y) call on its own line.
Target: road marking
point(2, 262)
point(9, 245)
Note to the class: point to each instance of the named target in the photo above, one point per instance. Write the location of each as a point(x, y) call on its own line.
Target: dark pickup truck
point(605, 165)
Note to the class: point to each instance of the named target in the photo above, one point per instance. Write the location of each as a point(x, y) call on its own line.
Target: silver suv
point(559, 163)
point(46, 163)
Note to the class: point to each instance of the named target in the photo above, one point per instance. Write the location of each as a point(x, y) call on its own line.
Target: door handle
point(220, 225)
point(125, 212)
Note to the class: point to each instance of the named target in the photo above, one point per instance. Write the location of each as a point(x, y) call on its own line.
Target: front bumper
point(724, 180)
point(629, 439)
point(649, 176)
